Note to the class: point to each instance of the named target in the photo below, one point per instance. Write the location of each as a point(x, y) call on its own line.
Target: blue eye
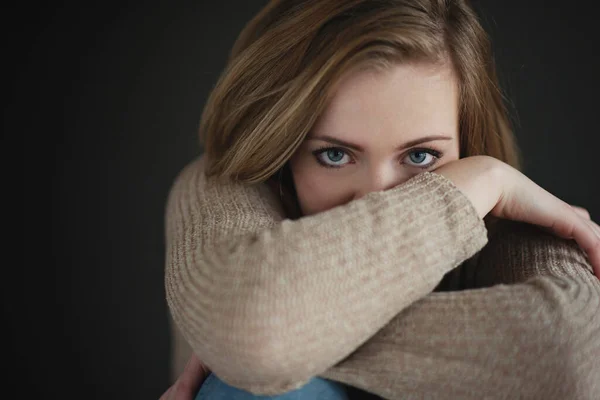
point(335, 155)
point(422, 158)
point(330, 157)
point(418, 157)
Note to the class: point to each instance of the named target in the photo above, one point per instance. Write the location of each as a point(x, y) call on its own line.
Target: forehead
point(411, 99)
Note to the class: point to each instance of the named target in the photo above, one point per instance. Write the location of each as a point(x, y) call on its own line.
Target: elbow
point(258, 366)
point(272, 373)
point(260, 361)
point(240, 354)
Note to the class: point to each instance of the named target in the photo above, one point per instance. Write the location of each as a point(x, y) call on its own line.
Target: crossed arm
point(513, 338)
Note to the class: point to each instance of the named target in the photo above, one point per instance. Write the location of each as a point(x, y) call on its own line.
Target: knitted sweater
point(399, 293)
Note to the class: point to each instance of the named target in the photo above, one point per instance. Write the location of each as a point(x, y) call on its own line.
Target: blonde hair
point(286, 63)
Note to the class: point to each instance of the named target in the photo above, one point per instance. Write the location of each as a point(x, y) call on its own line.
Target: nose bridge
point(380, 177)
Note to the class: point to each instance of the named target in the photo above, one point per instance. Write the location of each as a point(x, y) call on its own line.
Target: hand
point(496, 188)
point(187, 385)
point(586, 215)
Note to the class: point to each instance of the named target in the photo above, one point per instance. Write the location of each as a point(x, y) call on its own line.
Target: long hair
point(287, 61)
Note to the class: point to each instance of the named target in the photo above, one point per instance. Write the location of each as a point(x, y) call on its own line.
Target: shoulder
point(190, 175)
point(192, 183)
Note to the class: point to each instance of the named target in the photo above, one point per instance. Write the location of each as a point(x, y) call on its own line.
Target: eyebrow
point(356, 147)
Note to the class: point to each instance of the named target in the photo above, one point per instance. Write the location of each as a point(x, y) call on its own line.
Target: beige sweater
point(398, 293)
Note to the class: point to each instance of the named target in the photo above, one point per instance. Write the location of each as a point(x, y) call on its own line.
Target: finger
point(595, 227)
point(589, 241)
point(191, 378)
point(564, 223)
point(581, 211)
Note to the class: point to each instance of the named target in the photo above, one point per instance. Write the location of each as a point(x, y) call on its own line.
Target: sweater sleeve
point(519, 251)
point(531, 329)
point(267, 303)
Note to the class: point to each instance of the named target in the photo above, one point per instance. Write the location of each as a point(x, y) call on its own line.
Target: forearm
point(532, 328)
point(308, 292)
point(538, 339)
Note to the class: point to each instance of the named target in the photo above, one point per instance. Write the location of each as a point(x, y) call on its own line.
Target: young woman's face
point(379, 130)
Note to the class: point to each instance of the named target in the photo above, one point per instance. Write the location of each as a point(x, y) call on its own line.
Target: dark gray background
point(106, 102)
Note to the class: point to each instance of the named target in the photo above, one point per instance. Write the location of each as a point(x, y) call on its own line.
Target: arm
point(538, 337)
point(519, 251)
point(268, 303)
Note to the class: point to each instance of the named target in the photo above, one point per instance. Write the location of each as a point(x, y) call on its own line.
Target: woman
point(332, 236)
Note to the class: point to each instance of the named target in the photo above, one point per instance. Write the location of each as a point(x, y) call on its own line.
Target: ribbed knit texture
point(267, 303)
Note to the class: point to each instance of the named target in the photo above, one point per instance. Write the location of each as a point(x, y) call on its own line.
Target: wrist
point(479, 178)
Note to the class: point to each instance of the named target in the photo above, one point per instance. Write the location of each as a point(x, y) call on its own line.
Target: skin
point(368, 112)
